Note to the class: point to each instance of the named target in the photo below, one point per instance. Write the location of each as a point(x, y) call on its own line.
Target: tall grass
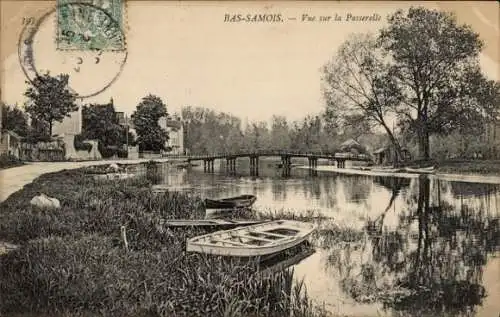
point(74, 261)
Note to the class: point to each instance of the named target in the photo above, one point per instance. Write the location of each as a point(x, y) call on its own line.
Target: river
point(400, 247)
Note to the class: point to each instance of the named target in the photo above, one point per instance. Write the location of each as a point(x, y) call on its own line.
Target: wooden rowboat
point(252, 241)
point(421, 170)
point(209, 223)
point(387, 170)
point(243, 201)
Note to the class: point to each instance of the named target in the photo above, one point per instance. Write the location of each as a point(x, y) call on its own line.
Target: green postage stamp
point(90, 25)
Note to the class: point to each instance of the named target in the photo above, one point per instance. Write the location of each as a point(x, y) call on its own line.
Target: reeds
point(73, 260)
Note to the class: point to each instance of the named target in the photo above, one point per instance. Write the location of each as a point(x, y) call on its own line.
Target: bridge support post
point(313, 162)
point(254, 165)
point(340, 163)
point(286, 161)
point(212, 165)
point(231, 164)
point(205, 166)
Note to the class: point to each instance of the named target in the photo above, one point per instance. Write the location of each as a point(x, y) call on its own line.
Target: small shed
point(10, 143)
point(387, 155)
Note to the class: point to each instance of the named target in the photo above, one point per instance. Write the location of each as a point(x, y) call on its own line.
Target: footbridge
point(339, 157)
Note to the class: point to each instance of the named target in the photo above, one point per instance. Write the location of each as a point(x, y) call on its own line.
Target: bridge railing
point(327, 155)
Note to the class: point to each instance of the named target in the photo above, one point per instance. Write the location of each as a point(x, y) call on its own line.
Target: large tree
point(434, 62)
point(358, 86)
point(50, 99)
point(150, 135)
point(422, 70)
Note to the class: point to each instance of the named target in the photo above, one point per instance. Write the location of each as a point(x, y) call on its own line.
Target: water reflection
point(398, 246)
point(431, 262)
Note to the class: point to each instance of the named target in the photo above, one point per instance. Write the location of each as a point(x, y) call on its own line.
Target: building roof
point(352, 144)
point(13, 134)
point(349, 143)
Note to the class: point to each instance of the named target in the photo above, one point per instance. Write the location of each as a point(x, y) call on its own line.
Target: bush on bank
point(74, 259)
point(8, 160)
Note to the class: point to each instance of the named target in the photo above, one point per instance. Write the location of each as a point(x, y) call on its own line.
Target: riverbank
point(441, 173)
point(466, 167)
point(74, 259)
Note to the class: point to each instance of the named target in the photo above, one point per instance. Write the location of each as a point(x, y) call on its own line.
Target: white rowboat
point(387, 170)
point(251, 241)
point(422, 170)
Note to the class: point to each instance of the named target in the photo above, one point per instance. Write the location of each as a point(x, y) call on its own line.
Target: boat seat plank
point(271, 234)
point(228, 242)
point(252, 237)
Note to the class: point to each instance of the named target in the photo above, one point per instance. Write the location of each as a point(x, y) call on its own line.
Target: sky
point(186, 54)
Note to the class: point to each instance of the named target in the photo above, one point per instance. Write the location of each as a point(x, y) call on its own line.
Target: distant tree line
point(207, 131)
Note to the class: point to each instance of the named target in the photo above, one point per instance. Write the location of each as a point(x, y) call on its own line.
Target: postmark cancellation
point(90, 25)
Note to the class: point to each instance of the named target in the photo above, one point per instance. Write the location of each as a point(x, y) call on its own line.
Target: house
point(122, 118)
point(387, 155)
point(175, 130)
point(10, 143)
point(352, 146)
point(67, 129)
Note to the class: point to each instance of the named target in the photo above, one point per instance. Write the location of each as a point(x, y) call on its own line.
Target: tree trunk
point(50, 128)
point(423, 136)
point(423, 143)
point(394, 141)
point(427, 153)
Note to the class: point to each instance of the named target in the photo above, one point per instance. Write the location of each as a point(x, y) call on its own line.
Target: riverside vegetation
point(73, 260)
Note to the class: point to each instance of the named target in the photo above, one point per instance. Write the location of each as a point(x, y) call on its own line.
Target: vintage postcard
point(249, 158)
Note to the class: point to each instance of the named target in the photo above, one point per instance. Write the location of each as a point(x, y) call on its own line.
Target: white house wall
point(70, 125)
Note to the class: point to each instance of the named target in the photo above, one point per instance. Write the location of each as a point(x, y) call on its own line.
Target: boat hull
point(244, 201)
point(420, 170)
point(209, 223)
point(225, 244)
point(387, 170)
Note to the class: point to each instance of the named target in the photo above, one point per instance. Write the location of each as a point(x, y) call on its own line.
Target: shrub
point(80, 144)
point(8, 160)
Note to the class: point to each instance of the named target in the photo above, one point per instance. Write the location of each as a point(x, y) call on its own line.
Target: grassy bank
point(482, 167)
point(73, 261)
point(7, 161)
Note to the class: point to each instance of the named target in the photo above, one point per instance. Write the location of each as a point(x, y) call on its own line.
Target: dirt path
point(13, 179)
